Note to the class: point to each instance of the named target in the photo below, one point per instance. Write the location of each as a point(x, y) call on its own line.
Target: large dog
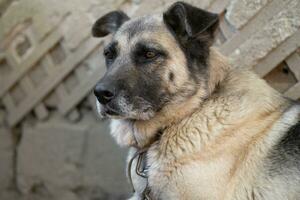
point(196, 127)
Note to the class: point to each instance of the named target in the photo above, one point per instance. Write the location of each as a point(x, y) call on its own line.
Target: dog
point(197, 128)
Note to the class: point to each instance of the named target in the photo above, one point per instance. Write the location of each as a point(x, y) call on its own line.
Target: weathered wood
point(6, 67)
point(74, 115)
point(294, 92)
point(61, 91)
point(262, 18)
point(22, 45)
point(80, 72)
point(34, 57)
point(278, 55)
point(52, 81)
point(27, 85)
point(50, 68)
point(79, 92)
point(85, 85)
point(51, 100)
point(8, 102)
point(41, 111)
point(293, 62)
point(218, 6)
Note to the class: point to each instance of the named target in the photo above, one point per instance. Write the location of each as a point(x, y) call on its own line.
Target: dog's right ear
point(109, 23)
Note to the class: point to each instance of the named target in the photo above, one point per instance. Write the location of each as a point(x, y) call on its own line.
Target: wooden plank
point(49, 67)
point(80, 92)
point(52, 99)
point(21, 55)
point(34, 57)
point(262, 18)
point(10, 61)
point(46, 86)
point(8, 101)
point(81, 73)
point(275, 57)
point(61, 91)
point(293, 62)
point(41, 111)
point(85, 86)
point(27, 85)
point(74, 115)
point(293, 92)
point(218, 6)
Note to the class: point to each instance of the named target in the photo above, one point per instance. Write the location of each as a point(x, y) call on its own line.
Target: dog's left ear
point(187, 21)
point(109, 23)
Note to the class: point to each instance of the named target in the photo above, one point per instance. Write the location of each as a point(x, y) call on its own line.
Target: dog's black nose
point(104, 94)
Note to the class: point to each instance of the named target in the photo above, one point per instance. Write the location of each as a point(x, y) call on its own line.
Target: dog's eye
point(150, 54)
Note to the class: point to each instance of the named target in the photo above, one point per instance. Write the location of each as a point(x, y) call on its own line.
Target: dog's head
point(153, 61)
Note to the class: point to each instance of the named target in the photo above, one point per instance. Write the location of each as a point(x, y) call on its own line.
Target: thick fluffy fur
point(214, 132)
point(225, 148)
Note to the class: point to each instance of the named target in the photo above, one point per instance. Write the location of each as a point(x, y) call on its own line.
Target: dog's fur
point(214, 132)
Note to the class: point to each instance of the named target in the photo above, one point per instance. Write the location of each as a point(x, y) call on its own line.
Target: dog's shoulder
point(281, 166)
point(287, 150)
point(290, 142)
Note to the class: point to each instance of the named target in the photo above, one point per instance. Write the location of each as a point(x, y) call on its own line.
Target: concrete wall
point(52, 146)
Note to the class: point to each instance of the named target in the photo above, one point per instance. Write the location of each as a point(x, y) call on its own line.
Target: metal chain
point(140, 170)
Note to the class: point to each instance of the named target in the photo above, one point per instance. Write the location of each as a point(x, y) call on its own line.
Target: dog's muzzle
point(106, 95)
point(103, 93)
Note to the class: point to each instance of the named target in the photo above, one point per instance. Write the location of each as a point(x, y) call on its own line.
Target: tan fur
point(211, 149)
point(218, 68)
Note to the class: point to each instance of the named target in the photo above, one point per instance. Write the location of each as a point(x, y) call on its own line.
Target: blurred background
point(52, 146)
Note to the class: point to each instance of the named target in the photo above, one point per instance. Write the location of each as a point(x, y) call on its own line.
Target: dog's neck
point(143, 133)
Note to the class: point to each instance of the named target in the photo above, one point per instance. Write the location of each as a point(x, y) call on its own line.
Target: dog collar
point(141, 168)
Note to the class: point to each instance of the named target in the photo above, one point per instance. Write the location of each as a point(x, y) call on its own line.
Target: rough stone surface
point(104, 162)
point(66, 161)
point(281, 26)
point(6, 159)
point(79, 15)
point(157, 6)
point(49, 157)
point(240, 12)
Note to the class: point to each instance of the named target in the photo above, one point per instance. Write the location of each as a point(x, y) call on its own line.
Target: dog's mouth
point(109, 111)
point(125, 110)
